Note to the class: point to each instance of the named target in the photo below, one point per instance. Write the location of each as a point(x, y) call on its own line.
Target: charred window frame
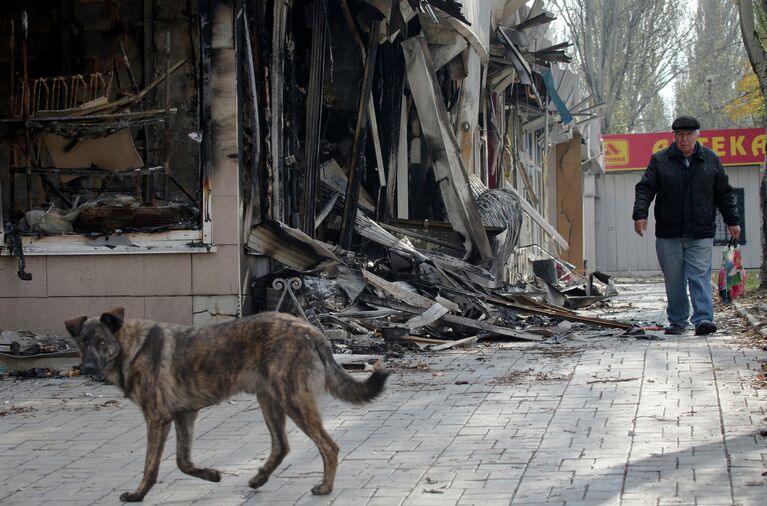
point(192, 193)
point(250, 124)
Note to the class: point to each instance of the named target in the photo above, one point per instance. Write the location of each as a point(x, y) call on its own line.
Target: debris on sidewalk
point(389, 295)
point(45, 372)
point(35, 354)
point(16, 410)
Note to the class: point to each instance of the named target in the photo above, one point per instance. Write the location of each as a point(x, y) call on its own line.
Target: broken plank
point(467, 121)
point(450, 318)
point(371, 104)
point(559, 314)
point(525, 300)
point(423, 340)
point(534, 307)
point(454, 344)
point(376, 142)
point(528, 183)
point(358, 146)
point(403, 184)
point(495, 329)
point(277, 177)
point(539, 219)
point(408, 297)
point(452, 306)
point(429, 316)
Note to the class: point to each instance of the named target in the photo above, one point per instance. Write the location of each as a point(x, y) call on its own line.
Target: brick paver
point(591, 419)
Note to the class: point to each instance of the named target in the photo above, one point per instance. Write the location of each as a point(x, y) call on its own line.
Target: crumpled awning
point(289, 246)
point(524, 72)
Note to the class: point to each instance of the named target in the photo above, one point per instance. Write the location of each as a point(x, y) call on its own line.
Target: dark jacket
point(687, 198)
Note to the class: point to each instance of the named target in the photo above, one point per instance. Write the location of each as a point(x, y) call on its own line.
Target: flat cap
point(685, 123)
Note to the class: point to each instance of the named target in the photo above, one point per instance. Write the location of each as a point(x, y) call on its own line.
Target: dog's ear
point(75, 325)
point(113, 319)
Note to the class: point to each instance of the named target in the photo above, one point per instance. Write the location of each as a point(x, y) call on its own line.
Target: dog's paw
point(131, 497)
point(322, 489)
point(258, 480)
point(210, 474)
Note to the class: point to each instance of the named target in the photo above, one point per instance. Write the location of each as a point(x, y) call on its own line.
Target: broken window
point(100, 132)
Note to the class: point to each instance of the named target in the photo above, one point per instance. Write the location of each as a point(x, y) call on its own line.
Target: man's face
point(685, 140)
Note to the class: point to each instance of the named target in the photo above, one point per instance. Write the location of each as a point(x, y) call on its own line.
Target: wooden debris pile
point(392, 293)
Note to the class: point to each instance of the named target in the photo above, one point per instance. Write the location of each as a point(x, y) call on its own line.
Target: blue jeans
point(687, 262)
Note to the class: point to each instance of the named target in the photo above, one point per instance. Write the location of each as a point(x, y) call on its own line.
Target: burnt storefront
point(181, 157)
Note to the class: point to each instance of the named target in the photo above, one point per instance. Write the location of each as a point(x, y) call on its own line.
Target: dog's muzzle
point(88, 368)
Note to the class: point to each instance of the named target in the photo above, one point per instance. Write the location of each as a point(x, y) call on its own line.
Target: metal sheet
point(429, 316)
point(369, 229)
point(288, 246)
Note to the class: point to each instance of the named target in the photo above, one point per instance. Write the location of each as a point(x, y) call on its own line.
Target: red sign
point(735, 146)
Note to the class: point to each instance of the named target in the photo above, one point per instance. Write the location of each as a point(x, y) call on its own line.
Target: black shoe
point(674, 329)
point(705, 328)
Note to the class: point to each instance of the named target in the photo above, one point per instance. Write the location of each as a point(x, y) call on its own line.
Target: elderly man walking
point(689, 184)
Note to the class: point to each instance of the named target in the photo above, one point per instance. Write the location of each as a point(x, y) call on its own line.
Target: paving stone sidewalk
point(593, 419)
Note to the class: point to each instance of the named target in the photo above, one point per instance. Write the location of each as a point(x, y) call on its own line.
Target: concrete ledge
point(750, 318)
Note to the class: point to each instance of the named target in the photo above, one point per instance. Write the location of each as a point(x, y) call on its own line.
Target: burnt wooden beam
point(350, 25)
point(247, 53)
point(393, 92)
point(553, 311)
point(314, 116)
point(471, 323)
point(276, 75)
point(360, 135)
point(371, 106)
point(525, 304)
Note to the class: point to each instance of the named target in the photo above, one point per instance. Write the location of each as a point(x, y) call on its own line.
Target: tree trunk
point(758, 59)
point(763, 208)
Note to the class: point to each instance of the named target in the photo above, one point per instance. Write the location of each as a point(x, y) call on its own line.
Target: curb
point(750, 318)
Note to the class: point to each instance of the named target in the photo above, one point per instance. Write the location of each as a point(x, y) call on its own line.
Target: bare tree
point(627, 51)
point(716, 61)
point(752, 27)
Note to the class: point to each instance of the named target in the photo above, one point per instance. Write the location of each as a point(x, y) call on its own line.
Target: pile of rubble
point(395, 294)
point(29, 355)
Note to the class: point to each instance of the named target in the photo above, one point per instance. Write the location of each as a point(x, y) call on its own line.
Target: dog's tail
point(342, 386)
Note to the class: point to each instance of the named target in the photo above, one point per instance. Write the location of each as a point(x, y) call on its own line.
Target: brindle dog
point(172, 371)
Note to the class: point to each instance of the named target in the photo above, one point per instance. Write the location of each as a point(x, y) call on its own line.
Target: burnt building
point(172, 156)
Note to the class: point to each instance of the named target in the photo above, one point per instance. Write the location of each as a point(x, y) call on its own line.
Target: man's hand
point(734, 231)
point(640, 227)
